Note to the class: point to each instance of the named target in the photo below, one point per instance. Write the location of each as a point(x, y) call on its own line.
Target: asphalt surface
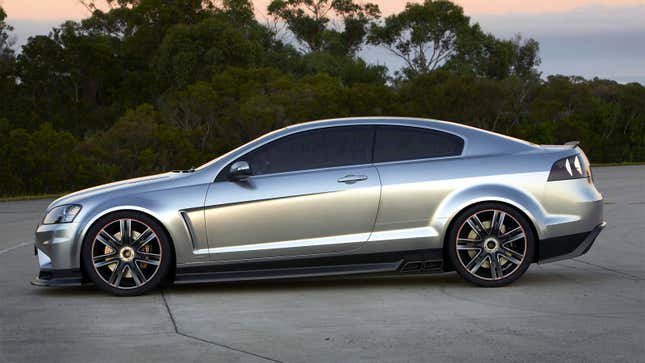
point(588, 309)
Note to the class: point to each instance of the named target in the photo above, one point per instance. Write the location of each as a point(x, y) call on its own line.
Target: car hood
point(121, 186)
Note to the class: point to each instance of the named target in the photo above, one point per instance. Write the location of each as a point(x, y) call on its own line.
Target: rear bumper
point(69, 277)
point(569, 246)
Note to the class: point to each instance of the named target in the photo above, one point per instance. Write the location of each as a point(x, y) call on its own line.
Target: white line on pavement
point(23, 244)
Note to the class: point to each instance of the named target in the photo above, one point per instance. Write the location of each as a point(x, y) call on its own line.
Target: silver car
point(345, 196)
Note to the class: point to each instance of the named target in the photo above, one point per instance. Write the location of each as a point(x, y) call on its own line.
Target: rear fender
point(461, 199)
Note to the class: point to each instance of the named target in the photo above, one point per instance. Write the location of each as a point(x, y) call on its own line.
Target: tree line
point(145, 86)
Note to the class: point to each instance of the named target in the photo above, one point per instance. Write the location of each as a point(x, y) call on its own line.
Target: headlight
point(62, 214)
point(572, 167)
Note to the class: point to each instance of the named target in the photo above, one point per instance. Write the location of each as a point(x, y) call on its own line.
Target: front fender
point(166, 210)
point(112, 206)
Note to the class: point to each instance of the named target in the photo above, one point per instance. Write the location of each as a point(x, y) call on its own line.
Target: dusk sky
point(604, 38)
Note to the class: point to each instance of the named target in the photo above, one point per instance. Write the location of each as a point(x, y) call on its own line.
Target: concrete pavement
point(588, 309)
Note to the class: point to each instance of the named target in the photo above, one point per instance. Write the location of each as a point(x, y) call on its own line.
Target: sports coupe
point(345, 196)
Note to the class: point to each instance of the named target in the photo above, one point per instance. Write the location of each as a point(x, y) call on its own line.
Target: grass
point(30, 197)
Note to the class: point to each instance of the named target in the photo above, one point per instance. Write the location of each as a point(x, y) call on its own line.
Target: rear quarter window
point(395, 143)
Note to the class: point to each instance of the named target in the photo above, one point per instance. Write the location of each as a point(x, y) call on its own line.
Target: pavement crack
point(633, 277)
point(179, 332)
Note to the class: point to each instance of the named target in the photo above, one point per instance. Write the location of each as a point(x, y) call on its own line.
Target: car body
point(356, 195)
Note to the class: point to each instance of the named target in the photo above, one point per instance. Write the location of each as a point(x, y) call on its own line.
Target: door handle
point(351, 179)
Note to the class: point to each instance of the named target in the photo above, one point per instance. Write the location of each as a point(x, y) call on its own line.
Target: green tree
point(154, 85)
point(29, 158)
point(349, 70)
point(6, 42)
point(310, 22)
point(424, 36)
point(139, 143)
point(484, 55)
point(41, 72)
point(7, 63)
point(192, 52)
point(526, 57)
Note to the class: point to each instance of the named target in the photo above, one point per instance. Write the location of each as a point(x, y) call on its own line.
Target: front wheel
point(491, 244)
point(127, 253)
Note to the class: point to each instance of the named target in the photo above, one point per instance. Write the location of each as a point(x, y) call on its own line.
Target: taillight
point(572, 167)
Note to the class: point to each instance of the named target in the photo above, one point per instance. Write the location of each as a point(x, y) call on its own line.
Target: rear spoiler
point(566, 146)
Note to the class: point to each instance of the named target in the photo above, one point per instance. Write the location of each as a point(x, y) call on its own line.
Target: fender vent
point(412, 266)
point(422, 266)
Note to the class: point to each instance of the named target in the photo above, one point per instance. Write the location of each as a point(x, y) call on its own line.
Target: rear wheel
point(127, 253)
point(491, 244)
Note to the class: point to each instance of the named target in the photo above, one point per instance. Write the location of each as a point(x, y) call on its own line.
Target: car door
point(311, 192)
point(415, 166)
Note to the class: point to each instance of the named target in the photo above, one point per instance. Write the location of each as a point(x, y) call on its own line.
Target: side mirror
point(240, 170)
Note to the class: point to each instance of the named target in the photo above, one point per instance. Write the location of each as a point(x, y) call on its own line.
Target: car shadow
point(448, 280)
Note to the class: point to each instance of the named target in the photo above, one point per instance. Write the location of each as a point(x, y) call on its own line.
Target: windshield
point(208, 164)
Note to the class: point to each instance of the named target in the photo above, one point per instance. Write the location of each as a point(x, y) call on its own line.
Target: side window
point(408, 143)
point(321, 148)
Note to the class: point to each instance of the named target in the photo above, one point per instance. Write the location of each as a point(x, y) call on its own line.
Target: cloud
point(23, 29)
point(591, 41)
point(583, 20)
point(473, 7)
point(596, 40)
point(46, 10)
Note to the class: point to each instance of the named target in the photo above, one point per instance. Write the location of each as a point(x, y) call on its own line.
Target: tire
point(130, 265)
point(486, 252)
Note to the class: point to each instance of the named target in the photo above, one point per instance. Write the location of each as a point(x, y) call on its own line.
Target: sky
point(604, 38)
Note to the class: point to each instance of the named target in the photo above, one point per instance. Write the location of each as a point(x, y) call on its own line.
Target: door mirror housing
point(239, 171)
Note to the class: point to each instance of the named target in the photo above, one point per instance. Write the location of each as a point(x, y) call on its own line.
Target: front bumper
point(58, 252)
point(71, 277)
point(57, 246)
point(569, 246)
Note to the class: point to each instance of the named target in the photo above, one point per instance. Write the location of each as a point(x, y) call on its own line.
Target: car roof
point(477, 141)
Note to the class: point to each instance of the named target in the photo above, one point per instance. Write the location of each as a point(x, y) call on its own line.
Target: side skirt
point(424, 261)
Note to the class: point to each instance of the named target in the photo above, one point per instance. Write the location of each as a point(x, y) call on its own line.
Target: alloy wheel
point(491, 244)
point(126, 253)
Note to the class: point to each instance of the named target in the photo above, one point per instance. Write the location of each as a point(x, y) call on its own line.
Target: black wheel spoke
point(512, 256)
point(477, 226)
point(497, 222)
point(465, 244)
point(144, 238)
point(117, 274)
point(495, 267)
point(108, 240)
point(125, 226)
point(512, 235)
point(150, 258)
point(476, 262)
point(105, 260)
point(105, 256)
point(137, 274)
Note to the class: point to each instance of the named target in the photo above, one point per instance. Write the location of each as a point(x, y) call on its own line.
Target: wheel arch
point(131, 209)
point(457, 202)
point(451, 224)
